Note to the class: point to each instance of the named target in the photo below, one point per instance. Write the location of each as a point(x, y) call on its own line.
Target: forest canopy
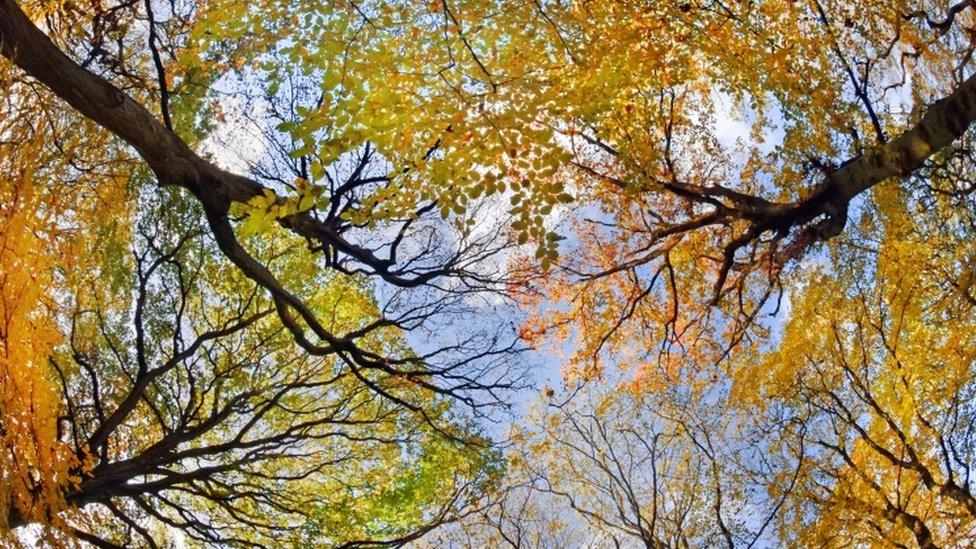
point(478, 273)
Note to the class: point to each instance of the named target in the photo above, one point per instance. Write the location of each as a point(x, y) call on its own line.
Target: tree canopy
point(284, 273)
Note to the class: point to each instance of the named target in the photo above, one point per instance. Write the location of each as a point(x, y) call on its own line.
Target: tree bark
point(943, 122)
point(173, 162)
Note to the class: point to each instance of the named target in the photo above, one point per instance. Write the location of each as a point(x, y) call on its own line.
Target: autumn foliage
point(272, 272)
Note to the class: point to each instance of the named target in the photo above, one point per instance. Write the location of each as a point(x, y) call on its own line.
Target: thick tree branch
point(170, 158)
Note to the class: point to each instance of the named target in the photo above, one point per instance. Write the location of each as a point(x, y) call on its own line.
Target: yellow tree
point(599, 466)
point(129, 361)
point(716, 142)
point(875, 369)
point(53, 188)
point(34, 465)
